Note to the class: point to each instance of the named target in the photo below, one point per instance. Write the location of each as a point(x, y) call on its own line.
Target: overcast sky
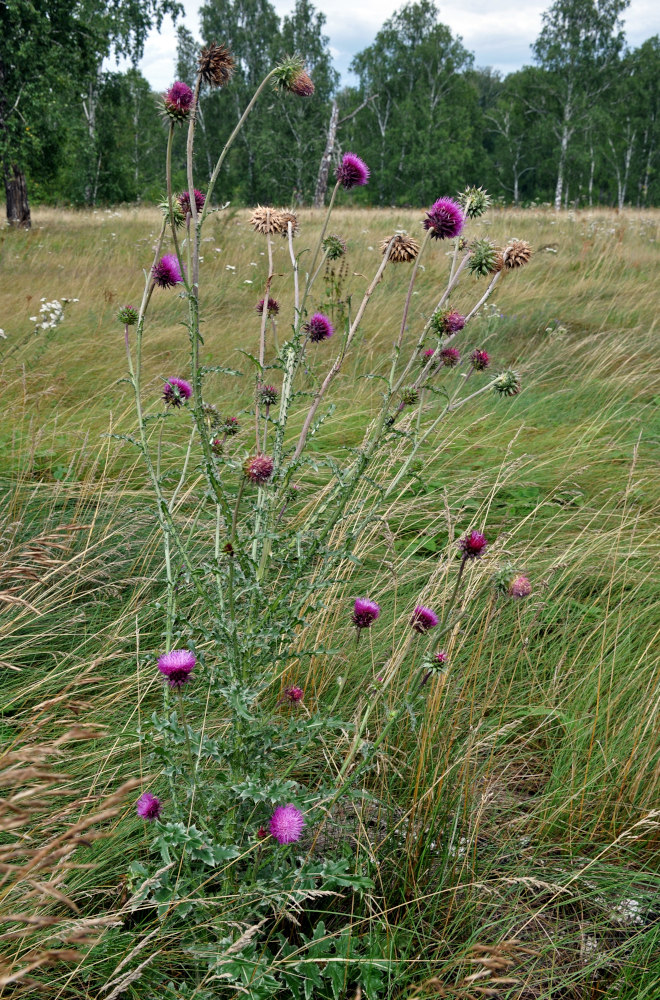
point(498, 32)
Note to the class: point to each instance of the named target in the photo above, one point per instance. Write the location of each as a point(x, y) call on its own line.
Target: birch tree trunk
point(324, 168)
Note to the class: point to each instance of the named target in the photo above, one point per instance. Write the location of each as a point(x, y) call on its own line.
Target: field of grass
point(514, 824)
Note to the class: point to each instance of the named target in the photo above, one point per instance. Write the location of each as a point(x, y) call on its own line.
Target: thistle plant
point(233, 812)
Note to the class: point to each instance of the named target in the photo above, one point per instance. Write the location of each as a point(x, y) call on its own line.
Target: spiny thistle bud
point(483, 257)
point(352, 171)
point(178, 101)
point(268, 395)
point(507, 383)
point(474, 201)
point(272, 308)
point(293, 693)
point(440, 658)
point(447, 321)
point(444, 219)
point(176, 392)
point(319, 328)
point(334, 247)
point(450, 356)
point(216, 65)
point(404, 248)
point(231, 426)
point(128, 315)
point(473, 545)
point(178, 218)
point(480, 359)
point(216, 445)
point(409, 395)
point(290, 76)
point(267, 221)
point(287, 217)
point(503, 577)
point(258, 469)
point(211, 416)
point(515, 254)
point(183, 200)
point(428, 360)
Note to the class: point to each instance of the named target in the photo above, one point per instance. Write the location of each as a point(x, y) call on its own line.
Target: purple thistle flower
point(444, 219)
point(272, 309)
point(440, 657)
point(148, 806)
point(258, 469)
point(176, 391)
point(293, 693)
point(473, 545)
point(286, 824)
point(365, 613)
point(177, 666)
point(319, 328)
point(454, 321)
point(352, 171)
point(450, 356)
point(178, 101)
point(520, 587)
point(184, 200)
point(480, 360)
point(423, 619)
point(167, 273)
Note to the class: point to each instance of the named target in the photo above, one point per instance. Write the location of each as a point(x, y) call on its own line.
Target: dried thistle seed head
point(474, 201)
point(520, 587)
point(267, 221)
point(515, 254)
point(507, 383)
point(289, 217)
point(216, 65)
point(178, 102)
point(404, 248)
point(334, 247)
point(483, 257)
point(291, 77)
point(128, 315)
point(409, 395)
point(302, 85)
point(178, 218)
point(211, 416)
point(258, 469)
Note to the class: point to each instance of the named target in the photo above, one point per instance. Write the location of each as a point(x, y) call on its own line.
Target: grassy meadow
point(514, 825)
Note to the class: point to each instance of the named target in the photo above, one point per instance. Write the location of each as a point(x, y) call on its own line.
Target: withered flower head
point(267, 221)
point(287, 217)
point(290, 76)
point(515, 254)
point(216, 65)
point(404, 248)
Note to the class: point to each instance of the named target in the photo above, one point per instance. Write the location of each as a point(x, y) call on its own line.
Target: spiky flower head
point(440, 657)
point(319, 328)
point(473, 545)
point(148, 807)
point(128, 315)
point(177, 218)
point(178, 101)
point(365, 613)
point(409, 395)
point(176, 392)
point(286, 824)
point(216, 445)
point(429, 360)
point(503, 577)
point(423, 619)
point(334, 246)
point(480, 359)
point(291, 77)
point(293, 693)
point(474, 201)
point(483, 257)
point(352, 171)
point(184, 201)
point(287, 217)
point(444, 219)
point(231, 426)
point(211, 416)
point(450, 356)
point(166, 272)
point(268, 395)
point(267, 221)
point(404, 248)
point(272, 308)
point(216, 65)
point(177, 666)
point(515, 254)
point(258, 469)
point(507, 383)
point(520, 587)
point(446, 322)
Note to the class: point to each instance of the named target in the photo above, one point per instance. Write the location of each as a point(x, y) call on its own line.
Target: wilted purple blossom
point(176, 391)
point(450, 356)
point(480, 360)
point(272, 309)
point(258, 469)
point(520, 587)
point(184, 200)
point(293, 693)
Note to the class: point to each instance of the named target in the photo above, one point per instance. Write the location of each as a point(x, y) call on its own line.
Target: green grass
point(523, 805)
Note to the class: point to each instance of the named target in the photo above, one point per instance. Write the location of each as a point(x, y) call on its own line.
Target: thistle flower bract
point(483, 257)
point(183, 200)
point(293, 693)
point(267, 221)
point(423, 619)
point(520, 587)
point(450, 356)
point(409, 395)
point(404, 248)
point(352, 171)
point(480, 359)
point(231, 426)
point(447, 321)
point(319, 328)
point(177, 101)
point(365, 613)
point(148, 806)
point(507, 383)
point(166, 272)
point(268, 395)
point(444, 219)
point(334, 247)
point(177, 666)
point(176, 391)
point(258, 469)
point(474, 201)
point(429, 360)
point(211, 416)
point(515, 254)
point(128, 315)
point(216, 65)
point(272, 308)
point(440, 657)
point(473, 545)
point(290, 76)
point(286, 824)
point(177, 218)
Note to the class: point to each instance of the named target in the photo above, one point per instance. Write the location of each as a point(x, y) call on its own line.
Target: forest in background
point(578, 126)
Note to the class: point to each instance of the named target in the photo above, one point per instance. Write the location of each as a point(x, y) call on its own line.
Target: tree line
point(577, 126)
